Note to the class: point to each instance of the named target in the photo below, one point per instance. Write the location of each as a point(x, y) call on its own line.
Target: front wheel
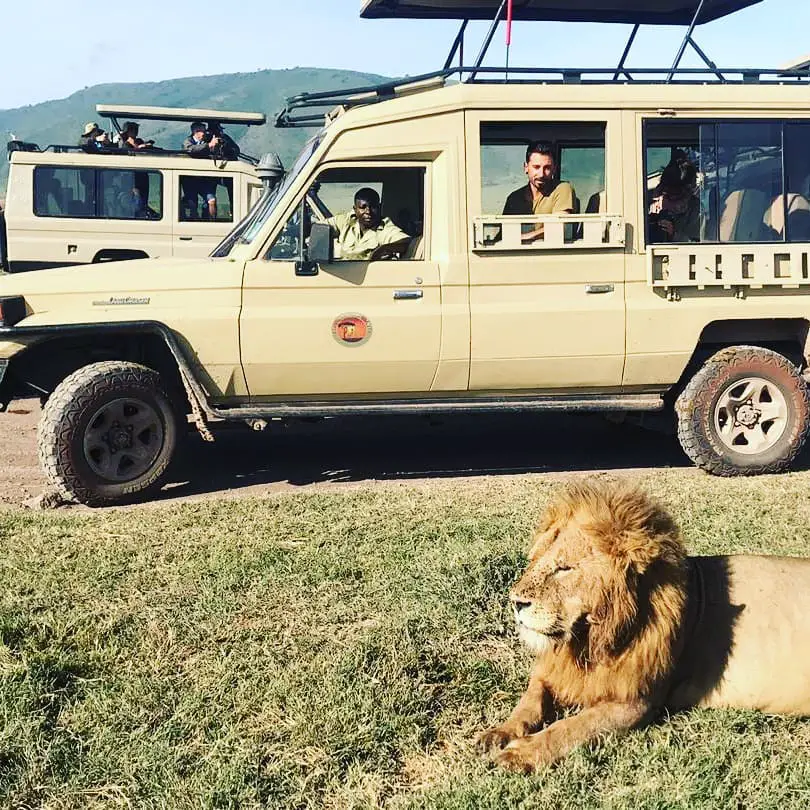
point(107, 434)
point(745, 412)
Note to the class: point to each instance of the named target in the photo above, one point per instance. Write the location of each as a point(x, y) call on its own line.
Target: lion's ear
point(611, 624)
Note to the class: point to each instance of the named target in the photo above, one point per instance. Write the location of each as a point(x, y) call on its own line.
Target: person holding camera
point(674, 207)
point(210, 142)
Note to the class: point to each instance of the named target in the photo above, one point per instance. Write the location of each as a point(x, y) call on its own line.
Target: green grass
point(338, 651)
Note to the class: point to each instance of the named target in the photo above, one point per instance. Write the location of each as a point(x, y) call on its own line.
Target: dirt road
point(335, 453)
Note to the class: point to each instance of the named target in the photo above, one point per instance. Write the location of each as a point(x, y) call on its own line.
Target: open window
point(206, 198)
point(578, 151)
point(543, 186)
point(340, 197)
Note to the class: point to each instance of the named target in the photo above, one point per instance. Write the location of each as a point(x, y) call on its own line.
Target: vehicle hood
point(139, 289)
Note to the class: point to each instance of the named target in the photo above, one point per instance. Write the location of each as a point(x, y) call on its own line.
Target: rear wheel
point(108, 433)
point(745, 412)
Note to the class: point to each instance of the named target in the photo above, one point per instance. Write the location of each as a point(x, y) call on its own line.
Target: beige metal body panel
point(197, 299)
point(288, 345)
point(417, 344)
point(61, 240)
point(533, 322)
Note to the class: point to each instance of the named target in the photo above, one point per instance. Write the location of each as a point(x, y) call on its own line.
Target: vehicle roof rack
point(114, 111)
point(637, 12)
point(323, 106)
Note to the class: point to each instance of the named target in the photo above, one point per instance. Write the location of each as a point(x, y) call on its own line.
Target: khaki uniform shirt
point(522, 201)
point(352, 245)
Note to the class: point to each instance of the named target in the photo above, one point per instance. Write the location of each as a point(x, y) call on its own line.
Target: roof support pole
point(488, 39)
point(711, 65)
point(620, 67)
point(458, 45)
point(685, 41)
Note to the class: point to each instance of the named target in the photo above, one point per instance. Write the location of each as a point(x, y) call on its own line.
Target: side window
point(64, 192)
point(125, 194)
point(374, 213)
point(206, 198)
point(797, 183)
point(749, 181)
point(542, 167)
point(724, 182)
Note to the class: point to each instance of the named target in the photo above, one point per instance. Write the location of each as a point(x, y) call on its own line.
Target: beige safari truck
point(603, 308)
point(67, 206)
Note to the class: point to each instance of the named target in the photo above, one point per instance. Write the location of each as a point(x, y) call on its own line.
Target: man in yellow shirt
point(362, 234)
point(544, 194)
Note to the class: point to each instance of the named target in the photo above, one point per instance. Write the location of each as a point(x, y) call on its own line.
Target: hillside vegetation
point(61, 121)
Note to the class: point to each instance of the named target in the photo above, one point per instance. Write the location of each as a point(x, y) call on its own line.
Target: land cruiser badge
point(351, 329)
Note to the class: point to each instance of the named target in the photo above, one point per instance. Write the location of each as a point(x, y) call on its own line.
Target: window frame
point(97, 171)
point(715, 122)
point(198, 175)
point(360, 165)
point(609, 120)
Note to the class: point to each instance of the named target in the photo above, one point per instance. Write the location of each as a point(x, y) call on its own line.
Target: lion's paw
point(497, 738)
point(527, 754)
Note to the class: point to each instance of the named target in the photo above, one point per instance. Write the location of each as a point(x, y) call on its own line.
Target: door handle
point(185, 238)
point(598, 288)
point(405, 295)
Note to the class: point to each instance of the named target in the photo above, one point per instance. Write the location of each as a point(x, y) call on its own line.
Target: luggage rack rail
point(322, 106)
point(57, 148)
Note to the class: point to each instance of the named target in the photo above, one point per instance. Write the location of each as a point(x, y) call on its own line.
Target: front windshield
point(247, 230)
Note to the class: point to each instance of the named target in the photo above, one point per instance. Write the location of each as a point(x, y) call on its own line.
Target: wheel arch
point(786, 336)
point(54, 352)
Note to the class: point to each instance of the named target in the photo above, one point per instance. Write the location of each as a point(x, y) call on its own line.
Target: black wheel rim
point(123, 439)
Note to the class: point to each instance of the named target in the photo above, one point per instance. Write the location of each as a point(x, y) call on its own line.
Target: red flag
point(508, 23)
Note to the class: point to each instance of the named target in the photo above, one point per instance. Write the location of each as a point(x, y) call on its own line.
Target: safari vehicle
point(470, 315)
point(67, 206)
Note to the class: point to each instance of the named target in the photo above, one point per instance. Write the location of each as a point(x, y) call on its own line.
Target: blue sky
point(65, 46)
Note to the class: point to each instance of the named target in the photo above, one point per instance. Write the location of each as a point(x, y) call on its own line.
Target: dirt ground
point(369, 450)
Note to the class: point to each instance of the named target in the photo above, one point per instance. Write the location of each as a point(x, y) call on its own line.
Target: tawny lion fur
point(624, 625)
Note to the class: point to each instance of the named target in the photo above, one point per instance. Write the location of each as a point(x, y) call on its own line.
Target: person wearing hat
point(200, 144)
point(93, 138)
point(130, 140)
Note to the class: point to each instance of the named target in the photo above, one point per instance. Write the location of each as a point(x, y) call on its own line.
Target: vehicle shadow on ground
point(407, 448)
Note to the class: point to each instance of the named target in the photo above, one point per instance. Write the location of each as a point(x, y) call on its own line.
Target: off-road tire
point(696, 407)
point(66, 420)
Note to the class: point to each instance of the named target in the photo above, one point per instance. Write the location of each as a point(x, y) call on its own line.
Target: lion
point(624, 625)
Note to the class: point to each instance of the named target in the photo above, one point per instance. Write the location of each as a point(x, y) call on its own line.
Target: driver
point(363, 234)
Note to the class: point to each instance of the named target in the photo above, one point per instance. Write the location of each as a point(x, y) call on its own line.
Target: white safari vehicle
point(67, 206)
point(677, 281)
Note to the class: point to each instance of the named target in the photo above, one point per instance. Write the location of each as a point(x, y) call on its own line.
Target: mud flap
point(5, 389)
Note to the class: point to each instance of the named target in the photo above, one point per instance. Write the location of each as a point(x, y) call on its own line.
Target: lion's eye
point(561, 569)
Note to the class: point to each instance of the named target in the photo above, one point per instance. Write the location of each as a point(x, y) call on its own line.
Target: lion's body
point(758, 610)
point(625, 625)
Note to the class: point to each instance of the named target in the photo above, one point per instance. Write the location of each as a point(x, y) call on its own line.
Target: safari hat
point(92, 128)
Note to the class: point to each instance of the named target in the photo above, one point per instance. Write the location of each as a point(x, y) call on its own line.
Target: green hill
point(61, 121)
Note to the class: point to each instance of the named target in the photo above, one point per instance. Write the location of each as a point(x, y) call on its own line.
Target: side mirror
point(320, 243)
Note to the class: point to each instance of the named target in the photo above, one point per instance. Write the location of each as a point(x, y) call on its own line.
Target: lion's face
point(596, 550)
point(561, 589)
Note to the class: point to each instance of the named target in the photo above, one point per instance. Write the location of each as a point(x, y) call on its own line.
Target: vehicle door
point(349, 326)
point(547, 311)
point(205, 204)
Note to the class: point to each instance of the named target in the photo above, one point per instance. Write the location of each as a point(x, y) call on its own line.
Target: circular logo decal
point(351, 329)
